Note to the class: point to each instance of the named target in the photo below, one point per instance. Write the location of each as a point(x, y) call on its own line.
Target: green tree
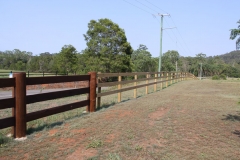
point(33, 64)
point(67, 59)
point(234, 33)
point(107, 42)
point(142, 60)
point(169, 60)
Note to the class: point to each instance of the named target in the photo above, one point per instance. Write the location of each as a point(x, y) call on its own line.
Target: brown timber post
point(135, 90)
point(171, 76)
point(155, 85)
point(147, 83)
point(19, 111)
point(92, 93)
point(119, 87)
point(99, 91)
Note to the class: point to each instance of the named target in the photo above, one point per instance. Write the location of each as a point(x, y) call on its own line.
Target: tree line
point(109, 51)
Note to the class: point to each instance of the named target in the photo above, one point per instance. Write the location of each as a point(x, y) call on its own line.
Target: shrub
point(223, 77)
point(215, 77)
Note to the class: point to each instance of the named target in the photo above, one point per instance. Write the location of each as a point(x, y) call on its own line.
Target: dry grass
point(188, 120)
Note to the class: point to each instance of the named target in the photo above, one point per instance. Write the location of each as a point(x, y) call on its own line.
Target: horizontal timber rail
point(158, 77)
point(19, 99)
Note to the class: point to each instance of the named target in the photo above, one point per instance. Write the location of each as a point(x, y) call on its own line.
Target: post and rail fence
point(37, 74)
point(20, 99)
point(158, 77)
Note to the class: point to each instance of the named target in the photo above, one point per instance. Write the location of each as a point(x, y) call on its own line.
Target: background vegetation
point(109, 51)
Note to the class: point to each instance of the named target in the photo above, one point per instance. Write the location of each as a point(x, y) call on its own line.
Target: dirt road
point(188, 120)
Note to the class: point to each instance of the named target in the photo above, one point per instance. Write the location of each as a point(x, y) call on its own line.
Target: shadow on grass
point(105, 105)
point(231, 117)
point(4, 140)
point(49, 125)
point(237, 133)
point(42, 127)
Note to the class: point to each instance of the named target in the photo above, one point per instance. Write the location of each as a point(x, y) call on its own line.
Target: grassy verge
point(190, 120)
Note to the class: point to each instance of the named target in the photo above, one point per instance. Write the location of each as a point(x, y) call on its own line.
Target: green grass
point(190, 120)
point(5, 73)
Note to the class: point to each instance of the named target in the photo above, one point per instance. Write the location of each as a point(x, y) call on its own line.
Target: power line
point(156, 6)
point(176, 38)
point(174, 24)
point(180, 35)
point(158, 21)
point(166, 31)
point(138, 7)
point(146, 6)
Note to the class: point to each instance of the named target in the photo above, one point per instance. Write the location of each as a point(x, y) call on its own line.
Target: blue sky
point(47, 25)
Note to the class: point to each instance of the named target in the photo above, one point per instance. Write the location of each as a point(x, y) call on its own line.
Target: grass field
point(188, 120)
point(5, 73)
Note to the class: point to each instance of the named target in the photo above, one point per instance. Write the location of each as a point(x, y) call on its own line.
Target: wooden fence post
point(135, 90)
point(161, 84)
point(155, 85)
point(19, 111)
point(171, 76)
point(99, 91)
point(147, 83)
point(119, 87)
point(92, 93)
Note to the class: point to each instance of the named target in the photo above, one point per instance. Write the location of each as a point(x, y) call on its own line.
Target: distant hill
point(231, 57)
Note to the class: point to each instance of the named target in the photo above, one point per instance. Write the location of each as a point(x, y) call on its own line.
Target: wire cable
point(188, 50)
point(146, 6)
point(180, 34)
point(156, 6)
point(138, 7)
point(177, 38)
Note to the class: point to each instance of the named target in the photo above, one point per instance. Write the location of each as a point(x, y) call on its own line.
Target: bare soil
point(188, 120)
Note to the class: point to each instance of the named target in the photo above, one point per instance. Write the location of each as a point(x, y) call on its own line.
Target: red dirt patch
point(80, 131)
point(156, 115)
point(53, 132)
point(115, 114)
point(82, 153)
point(110, 138)
point(150, 142)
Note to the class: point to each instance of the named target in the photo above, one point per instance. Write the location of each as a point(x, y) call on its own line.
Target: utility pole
point(161, 33)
